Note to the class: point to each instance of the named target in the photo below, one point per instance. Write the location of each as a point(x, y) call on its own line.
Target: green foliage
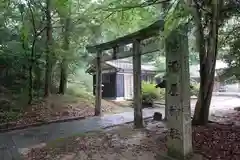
point(79, 90)
point(233, 54)
point(80, 85)
point(150, 93)
point(176, 16)
point(9, 116)
point(195, 89)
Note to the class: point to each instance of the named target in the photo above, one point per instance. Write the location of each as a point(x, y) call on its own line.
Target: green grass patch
point(79, 91)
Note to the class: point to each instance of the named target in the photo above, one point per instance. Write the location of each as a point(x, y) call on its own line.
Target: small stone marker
point(157, 116)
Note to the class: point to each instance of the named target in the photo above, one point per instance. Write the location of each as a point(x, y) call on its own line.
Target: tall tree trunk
point(207, 67)
point(30, 83)
point(30, 63)
point(30, 87)
point(64, 65)
point(48, 71)
point(38, 78)
point(63, 77)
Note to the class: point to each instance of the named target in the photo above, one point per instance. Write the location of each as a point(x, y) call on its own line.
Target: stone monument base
point(164, 156)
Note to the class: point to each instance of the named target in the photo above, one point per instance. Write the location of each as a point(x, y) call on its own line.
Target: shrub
point(80, 91)
point(150, 93)
point(9, 116)
point(195, 89)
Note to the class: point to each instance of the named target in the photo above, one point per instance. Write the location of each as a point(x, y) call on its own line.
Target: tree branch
point(32, 17)
point(141, 5)
point(40, 32)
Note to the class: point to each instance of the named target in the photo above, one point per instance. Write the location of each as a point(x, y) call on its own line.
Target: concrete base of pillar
point(164, 156)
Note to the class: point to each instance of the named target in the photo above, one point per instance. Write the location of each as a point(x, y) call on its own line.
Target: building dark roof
point(125, 64)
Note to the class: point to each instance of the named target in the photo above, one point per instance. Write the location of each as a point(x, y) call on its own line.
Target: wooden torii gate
point(179, 141)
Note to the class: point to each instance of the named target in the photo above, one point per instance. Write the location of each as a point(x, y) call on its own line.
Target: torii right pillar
point(179, 138)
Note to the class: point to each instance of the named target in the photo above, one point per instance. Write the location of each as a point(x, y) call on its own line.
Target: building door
point(128, 86)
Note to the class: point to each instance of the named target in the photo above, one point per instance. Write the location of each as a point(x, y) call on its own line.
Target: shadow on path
point(19, 139)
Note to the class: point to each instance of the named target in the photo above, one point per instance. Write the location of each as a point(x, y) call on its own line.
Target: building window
point(149, 78)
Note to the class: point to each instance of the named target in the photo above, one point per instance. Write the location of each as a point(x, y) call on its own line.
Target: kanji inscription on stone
point(174, 133)
point(174, 90)
point(187, 129)
point(187, 116)
point(174, 110)
point(174, 66)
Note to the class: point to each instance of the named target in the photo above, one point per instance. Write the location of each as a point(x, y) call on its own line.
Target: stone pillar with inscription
point(179, 138)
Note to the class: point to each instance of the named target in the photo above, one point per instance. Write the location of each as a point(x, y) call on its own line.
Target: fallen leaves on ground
point(58, 107)
point(214, 142)
point(234, 117)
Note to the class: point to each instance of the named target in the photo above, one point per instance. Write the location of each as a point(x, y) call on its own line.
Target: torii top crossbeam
point(147, 36)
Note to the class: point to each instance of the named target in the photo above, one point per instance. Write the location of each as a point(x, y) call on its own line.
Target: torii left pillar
point(98, 89)
point(137, 85)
